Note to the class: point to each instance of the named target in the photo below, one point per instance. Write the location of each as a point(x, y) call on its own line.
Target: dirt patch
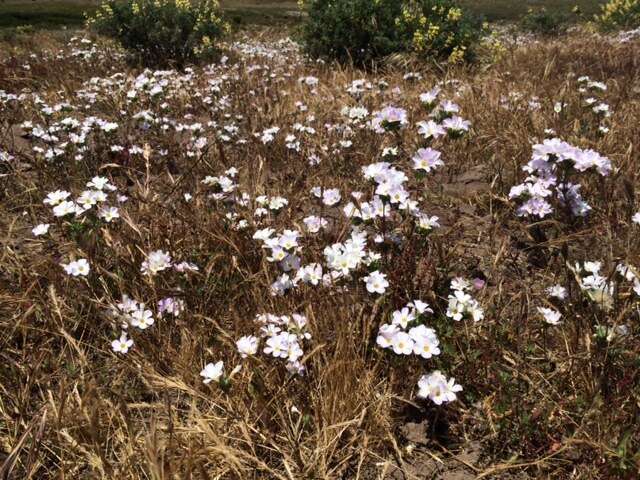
point(417, 460)
point(468, 184)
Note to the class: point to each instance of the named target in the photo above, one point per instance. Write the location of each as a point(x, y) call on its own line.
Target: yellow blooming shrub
point(364, 30)
point(162, 32)
point(493, 47)
point(618, 14)
point(438, 28)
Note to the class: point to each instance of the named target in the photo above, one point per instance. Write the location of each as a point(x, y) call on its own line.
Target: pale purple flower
point(427, 159)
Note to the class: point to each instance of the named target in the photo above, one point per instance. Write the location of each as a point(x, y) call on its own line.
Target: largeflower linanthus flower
point(212, 372)
point(437, 388)
point(376, 282)
point(77, 268)
point(122, 344)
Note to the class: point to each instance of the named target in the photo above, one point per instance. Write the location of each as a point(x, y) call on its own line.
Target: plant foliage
point(365, 30)
point(162, 32)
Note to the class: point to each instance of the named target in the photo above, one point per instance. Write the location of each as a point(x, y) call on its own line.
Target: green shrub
point(18, 34)
point(162, 32)
point(619, 14)
point(543, 22)
point(8, 35)
point(366, 30)
point(360, 30)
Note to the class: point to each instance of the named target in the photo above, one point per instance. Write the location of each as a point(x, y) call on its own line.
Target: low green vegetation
point(515, 10)
point(44, 14)
point(59, 13)
point(544, 22)
point(270, 15)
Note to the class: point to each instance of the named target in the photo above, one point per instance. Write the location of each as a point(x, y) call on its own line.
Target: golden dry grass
point(543, 402)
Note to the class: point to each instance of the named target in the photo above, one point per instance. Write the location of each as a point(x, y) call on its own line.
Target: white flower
point(310, 81)
point(127, 304)
point(551, 316)
point(592, 267)
point(314, 224)
point(311, 273)
point(427, 159)
point(170, 305)
point(376, 282)
point(430, 129)
point(448, 106)
point(403, 317)
point(64, 208)
point(427, 223)
point(212, 372)
point(437, 388)
point(557, 291)
point(626, 271)
point(421, 307)
point(263, 234)
point(331, 196)
point(281, 285)
point(430, 97)
point(294, 352)
point(278, 345)
point(78, 268)
point(456, 124)
point(636, 218)
point(184, 267)
point(390, 152)
point(402, 344)
point(98, 183)
point(122, 344)
point(386, 334)
point(426, 347)
point(41, 229)
point(277, 203)
point(156, 261)
point(141, 318)
point(460, 283)
point(458, 304)
point(247, 345)
point(278, 254)
point(87, 199)
point(108, 213)
point(475, 311)
point(108, 126)
point(289, 239)
point(54, 198)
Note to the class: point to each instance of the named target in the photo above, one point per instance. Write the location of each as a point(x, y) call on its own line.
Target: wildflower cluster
point(283, 336)
point(407, 334)
point(552, 166)
point(591, 91)
point(461, 304)
point(597, 287)
point(86, 201)
point(180, 203)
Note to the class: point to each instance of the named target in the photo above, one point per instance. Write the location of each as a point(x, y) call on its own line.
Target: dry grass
point(551, 403)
